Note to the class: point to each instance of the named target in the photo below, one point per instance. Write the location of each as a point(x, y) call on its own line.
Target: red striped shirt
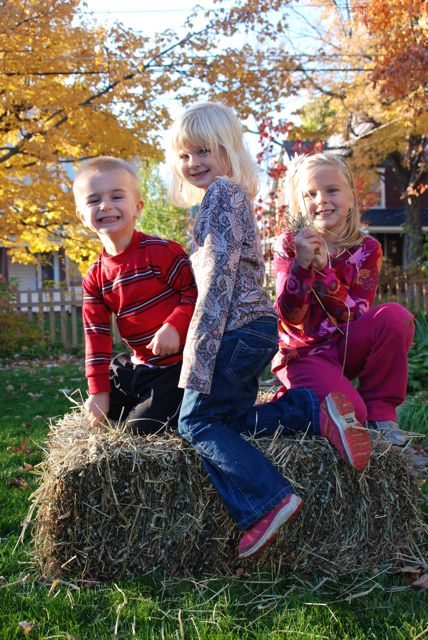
point(146, 285)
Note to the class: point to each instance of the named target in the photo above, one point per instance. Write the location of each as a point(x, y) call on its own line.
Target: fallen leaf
point(18, 483)
point(23, 448)
point(25, 626)
point(56, 583)
point(421, 583)
point(409, 568)
point(89, 584)
point(34, 396)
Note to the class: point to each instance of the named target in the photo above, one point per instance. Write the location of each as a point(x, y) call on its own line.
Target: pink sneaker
point(340, 426)
point(265, 530)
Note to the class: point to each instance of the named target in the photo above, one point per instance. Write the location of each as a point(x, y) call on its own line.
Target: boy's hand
point(97, 405)
point(165, 342)
point(311, 250)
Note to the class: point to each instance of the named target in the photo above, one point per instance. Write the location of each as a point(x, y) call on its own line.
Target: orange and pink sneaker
point(340, 426)
point(265, 530)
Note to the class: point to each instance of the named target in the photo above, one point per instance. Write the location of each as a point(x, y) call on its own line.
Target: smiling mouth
point(108, 219)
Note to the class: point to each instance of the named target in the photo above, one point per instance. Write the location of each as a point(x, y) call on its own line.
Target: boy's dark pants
point(148, 398)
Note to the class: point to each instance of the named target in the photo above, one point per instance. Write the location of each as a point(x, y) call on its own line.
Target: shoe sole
point(282, 517)
point(396, 437)
point(355, 439)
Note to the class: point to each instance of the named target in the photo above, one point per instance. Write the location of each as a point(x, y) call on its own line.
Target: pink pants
point(376, 353)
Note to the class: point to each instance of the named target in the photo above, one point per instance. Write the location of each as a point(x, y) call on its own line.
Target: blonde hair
point(212, 125)
point(103, 164)
point(353, 233)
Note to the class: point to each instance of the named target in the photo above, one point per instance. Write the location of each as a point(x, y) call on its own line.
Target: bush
point(18, 336)
point(418, 356)
point(413, 413)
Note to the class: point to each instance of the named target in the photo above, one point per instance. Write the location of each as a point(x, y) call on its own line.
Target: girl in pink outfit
point(327, 271)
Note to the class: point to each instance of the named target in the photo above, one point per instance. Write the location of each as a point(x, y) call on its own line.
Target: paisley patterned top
point(315, 306)
point(228, 267)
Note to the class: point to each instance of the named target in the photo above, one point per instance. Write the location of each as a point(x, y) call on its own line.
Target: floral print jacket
point(228, 267)
point(315, 306)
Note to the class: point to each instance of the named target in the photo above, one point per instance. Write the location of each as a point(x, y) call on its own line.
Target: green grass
point(378, 607)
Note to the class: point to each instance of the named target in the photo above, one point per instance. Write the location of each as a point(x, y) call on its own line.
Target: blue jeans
point(247, 482)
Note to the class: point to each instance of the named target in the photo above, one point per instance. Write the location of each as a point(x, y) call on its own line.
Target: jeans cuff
point(314, 412)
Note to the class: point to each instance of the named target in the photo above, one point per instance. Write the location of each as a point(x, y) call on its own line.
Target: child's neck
point(333, 246)
point(114, 246)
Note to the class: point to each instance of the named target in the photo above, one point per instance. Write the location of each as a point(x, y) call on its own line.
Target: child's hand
point(97, 405)
point(311, 250)
point(166, 341)
point(320, 260)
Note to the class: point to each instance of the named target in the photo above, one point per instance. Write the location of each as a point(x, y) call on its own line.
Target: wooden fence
point(58, 313)
point(410, 292)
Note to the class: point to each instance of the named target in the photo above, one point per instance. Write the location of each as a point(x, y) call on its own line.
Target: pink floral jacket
point(315, 307)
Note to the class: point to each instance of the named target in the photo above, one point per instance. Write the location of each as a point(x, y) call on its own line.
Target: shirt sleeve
point(293, 283)
point(98, 340)
point(346, 301)
point(215, 264)
point(343, 298)
point(177, 272)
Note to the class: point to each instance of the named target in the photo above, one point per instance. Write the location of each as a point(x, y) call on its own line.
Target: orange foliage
point(400, 28)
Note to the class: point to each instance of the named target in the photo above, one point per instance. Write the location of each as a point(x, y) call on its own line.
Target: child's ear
point(139, 207)
point(80, 216)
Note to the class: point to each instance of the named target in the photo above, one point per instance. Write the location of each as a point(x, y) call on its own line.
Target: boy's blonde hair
point(102, 164)
point(353, 234)
point(215, 126)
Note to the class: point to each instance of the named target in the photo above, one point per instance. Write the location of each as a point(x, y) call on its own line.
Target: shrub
point(418, 356)
point(413, 413)
point(18, 335)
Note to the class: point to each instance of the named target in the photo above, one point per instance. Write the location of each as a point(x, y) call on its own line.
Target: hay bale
point(111, 505)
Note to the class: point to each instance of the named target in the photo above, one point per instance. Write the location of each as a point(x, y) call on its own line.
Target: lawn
point(375, 606)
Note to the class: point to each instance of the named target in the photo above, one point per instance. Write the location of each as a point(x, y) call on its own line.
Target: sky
point(142, 15)
point(150, 17)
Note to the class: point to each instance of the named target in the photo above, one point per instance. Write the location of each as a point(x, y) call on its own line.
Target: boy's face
point(107, 203)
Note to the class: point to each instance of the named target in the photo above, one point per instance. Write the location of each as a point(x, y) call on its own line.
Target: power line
point(173, 69)
point(202, 9)
point(298, 56)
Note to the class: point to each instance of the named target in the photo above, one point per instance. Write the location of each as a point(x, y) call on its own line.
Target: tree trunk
point(413, 234)
point(410, 170)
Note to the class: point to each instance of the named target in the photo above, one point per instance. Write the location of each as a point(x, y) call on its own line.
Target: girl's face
point(325, 195)
point(200, 166)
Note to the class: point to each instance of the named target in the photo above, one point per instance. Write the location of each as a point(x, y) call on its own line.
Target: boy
point(147, 282)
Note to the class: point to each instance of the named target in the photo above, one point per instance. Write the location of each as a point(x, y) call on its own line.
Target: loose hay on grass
point(112, 505)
